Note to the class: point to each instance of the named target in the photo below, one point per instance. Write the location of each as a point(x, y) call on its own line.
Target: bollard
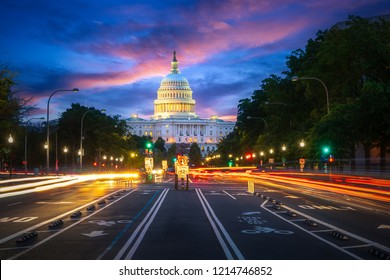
point(176, 181)
point(187, 185)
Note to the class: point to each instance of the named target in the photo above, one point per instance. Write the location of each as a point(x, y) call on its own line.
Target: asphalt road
point(215, 219)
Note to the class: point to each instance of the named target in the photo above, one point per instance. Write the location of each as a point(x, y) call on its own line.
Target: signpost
point(149, 169)
point(181, 171)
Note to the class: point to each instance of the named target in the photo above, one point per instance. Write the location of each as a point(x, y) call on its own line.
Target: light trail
point(63, 182)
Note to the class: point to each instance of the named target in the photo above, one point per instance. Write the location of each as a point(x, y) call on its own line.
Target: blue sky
point(117, 52)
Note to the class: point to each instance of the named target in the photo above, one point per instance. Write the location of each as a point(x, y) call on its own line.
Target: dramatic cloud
point(117, 52)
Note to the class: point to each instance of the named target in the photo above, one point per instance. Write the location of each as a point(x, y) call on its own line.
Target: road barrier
point(277, 207)
point(26, 236)
point(311, 223)
point(91, 208)
point(379, 253)
point(339, 235)
point(291, 214)
point(56, 224)
point(76, 214)
point(101, 202)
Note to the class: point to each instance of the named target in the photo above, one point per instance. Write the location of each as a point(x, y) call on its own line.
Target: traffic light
point(326, 150)
point(148, 145)
point(230, 163)
point(331, 158)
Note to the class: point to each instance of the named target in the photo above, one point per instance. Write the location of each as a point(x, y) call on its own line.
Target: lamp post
point(258, 118)
point(10, 141)
point(295, 78)
point(81, 136)
point(48, 130)
point(25, 142)
point(66, 156)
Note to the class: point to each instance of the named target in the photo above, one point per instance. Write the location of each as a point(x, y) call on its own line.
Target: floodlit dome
point(174, 97)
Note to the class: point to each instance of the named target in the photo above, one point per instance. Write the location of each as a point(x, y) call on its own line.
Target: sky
point(116, 52)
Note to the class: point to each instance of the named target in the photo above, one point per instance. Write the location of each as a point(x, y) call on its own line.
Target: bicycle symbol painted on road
point(260, 229)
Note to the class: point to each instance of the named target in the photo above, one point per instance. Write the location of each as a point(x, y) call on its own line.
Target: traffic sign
point(182, 160)
point(182, 171)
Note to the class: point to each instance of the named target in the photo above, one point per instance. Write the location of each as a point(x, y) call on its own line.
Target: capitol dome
point(174, 96)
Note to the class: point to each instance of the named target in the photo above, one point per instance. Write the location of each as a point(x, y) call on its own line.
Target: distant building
point(175, 119)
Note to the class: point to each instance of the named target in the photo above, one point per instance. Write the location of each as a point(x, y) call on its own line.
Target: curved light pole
point(25, 143)
point(48, 130)
point(258, 118)
point(295, 78)
point(81, 136)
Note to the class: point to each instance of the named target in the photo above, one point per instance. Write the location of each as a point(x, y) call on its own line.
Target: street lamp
point(258, 118)
point(48, 130)
point(10, 141)
point(25, 142)
point(66, 156)
point(81, 137)
point(295, 79)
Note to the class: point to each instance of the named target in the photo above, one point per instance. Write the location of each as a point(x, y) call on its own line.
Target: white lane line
point(64, 229)
point(135, 233)
point(221, 227)
point(356, 246)
point(309, 232)
point(130, 255)
point(350, 234)
point(219, 237)
point(16, 203)
point(229, 194)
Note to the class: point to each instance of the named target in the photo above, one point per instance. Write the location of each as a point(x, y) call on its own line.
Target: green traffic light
point(326, 150)
point(148, 145)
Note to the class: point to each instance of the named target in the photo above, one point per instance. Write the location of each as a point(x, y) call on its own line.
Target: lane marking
point(69, 227)
point(122, 232)
point(356, 246)
point(16, 203)
point(309, 232)
point(141, 236)
point(350, 234)
point(229, 194)
point(129, 242)
point(5, 239)
point(214, 221)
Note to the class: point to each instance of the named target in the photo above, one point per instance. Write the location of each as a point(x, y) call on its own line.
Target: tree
point(102, 134)
point(12, 110)
point(195, 155)
point(171, 154)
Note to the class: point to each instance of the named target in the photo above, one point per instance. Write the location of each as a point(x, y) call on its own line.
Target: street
point(216, 219)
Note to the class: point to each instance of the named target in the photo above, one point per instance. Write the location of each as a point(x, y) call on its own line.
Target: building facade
point(175, 119)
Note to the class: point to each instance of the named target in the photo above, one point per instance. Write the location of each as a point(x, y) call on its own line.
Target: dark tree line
point(353, 62)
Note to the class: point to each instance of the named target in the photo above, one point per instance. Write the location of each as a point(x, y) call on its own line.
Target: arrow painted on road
point(95, 233)
point(383, 227)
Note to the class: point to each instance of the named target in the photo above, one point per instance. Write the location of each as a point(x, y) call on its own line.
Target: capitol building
point(175, 119)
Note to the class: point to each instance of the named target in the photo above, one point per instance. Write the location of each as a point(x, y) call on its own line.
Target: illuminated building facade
point(175, 119)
